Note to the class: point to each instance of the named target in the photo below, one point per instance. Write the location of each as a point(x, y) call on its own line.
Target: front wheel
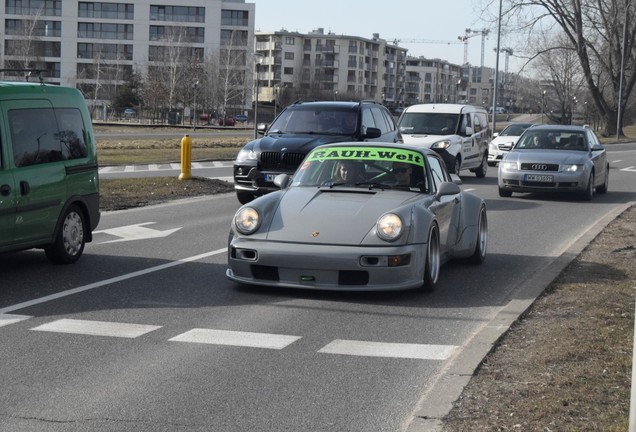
point(432, 260)
point(244, 197)
point(479, 255)
point(457, 166)
point(483, 168)
point(69, 240)
point(505, 193)
point(588, 193)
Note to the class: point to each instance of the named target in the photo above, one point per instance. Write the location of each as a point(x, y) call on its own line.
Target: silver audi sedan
point(555, 158)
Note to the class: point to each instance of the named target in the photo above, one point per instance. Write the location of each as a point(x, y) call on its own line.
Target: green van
point(49, 186)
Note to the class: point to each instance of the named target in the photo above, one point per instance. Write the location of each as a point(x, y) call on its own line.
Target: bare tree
point(27, 46)
point(603, 37)
point(232, 70)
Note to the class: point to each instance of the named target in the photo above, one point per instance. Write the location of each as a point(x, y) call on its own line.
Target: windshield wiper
point(374, 185)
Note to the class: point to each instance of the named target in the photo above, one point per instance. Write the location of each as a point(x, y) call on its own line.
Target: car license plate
point(539, 178)
point(270, 177)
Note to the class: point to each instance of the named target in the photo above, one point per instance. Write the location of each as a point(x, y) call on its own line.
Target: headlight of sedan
point(509, 166)
point(572, 168)
point(246, 155)
point(390, 227)
point(441, 144)
point(247, 220)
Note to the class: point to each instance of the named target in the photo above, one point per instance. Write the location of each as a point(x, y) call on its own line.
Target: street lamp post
point(542, 105)
point(275, 98)
point(259, 60)
point(194, 103)
point(459, 81)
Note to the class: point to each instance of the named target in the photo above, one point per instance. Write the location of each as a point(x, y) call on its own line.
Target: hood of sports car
point(296, 143)
point(338, 216)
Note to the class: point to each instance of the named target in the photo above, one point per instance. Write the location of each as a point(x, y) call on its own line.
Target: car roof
point(399, 146)
point(443, 108)
point(335, 104)
point(572, 128)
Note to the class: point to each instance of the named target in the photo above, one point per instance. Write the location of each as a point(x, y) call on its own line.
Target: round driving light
point(389, 227)
point(247, 220)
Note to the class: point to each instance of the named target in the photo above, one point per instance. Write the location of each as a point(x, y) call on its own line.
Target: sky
point(427, 21)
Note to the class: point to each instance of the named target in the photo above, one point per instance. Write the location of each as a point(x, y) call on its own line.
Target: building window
point(288, 71)
point(34, 7)
point(234, 37)
point(289, 56)
point(104, 51)
point(106, 10)
point(177, 13)
point(104, 31)
point(290, 40)
point(234, 18)
point(181, 34)
point(42, 28)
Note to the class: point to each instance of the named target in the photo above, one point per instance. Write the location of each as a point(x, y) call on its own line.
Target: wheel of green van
point(69, 241)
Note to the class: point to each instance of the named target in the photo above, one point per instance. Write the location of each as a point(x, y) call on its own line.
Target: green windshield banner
point(390, 154)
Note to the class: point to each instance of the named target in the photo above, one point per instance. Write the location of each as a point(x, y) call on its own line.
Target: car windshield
point(514, 129)
point(363, 167)
point(552, 140)
point(313, 120)
point(429, 123)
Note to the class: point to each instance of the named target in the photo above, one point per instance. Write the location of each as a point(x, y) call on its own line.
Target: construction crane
point(469, 33)
point(431, 41)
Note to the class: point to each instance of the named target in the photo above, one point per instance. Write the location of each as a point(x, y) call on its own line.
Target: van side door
point(39, 170)
point(470, 149)
point(7, 193)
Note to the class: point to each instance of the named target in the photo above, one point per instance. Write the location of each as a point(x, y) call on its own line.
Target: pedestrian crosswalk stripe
point(97, 328)
point(7, 319)
point(394, 350)
point(236, 338)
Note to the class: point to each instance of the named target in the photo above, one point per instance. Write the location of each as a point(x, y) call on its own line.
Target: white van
point(458, 133)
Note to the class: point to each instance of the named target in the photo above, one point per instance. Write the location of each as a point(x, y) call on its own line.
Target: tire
point(244, 197)
point(70, 240)
point(479, 255)
point(603, 188)
point(492, 164)
point(505, 193)
point(483, 168)
point(432, 261)
point(588, 194)
point(457, 166)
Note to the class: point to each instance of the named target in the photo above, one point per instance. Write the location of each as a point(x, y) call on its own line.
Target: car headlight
point(441, 144)
point(247, 220)
point(509, 166)
point(572, 168)
point(246, 155)
point(389, 227)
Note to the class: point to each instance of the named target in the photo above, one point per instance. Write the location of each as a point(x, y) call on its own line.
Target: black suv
point(300, 128)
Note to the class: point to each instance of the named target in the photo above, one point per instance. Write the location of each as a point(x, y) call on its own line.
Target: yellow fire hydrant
point(186, 158)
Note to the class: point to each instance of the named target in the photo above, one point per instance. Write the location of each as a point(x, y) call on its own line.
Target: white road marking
point(7, 319)
point(236, 338)
point(393, 350)
point(135, 232)
point(629, 169)
point(102, 283)
point(97, 328)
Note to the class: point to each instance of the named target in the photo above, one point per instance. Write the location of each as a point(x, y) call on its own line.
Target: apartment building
point(94, 43)
point(319, 64)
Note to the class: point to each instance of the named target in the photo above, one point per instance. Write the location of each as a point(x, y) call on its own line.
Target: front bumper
point(250, 179)
point(324, 267)
point(561, 182)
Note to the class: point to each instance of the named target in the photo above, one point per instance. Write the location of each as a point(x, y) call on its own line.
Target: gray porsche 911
point(555, 158)
point(358, 217)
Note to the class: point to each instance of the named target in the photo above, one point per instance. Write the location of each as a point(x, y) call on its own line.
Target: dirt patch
point(566, 364)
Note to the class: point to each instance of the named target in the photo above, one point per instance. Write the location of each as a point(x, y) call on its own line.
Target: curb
point(438, 401)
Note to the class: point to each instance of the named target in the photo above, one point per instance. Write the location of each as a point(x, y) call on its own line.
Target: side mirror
point(447, 188)
point(372, 132)
point(469, 131)
point(282, 180)
point(598, 147)
point(261, 128)
point(495, 135)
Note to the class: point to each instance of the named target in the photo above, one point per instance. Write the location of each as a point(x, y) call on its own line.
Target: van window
point(36, 138)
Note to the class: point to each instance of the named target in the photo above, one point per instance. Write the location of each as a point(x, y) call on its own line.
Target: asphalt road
point(145, 333)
